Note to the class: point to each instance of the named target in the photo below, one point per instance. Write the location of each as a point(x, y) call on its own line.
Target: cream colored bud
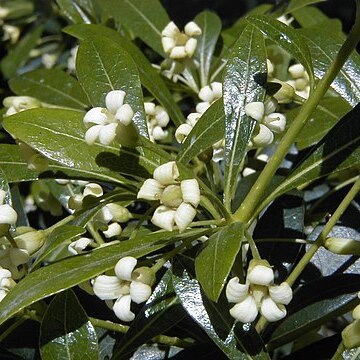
point(139, 292)
point(124, 267)
point(296, 71)
point(170, 30)
point(92, 134)
point(264, 136)
point(245, 311)
point(178, 52)
point(343, 246)
point(114, 100)
point(167, 173)
point(285, 94)
point(149, 108)
point(122, 310)
point(192, 29)
point(31, 240)
point(159, 134)
point(93, 189)
point(184, 216)
point(75, 202)
point(190, 191)
point(301, 84)
point(144, 274)
point(7, 215)
point(119, 213)
point(171, 196)
point(260, 273)
point(236, 292)
point(351, 335)
point(206, 94)
point(151, 189)
point(202, 107)
point(76, 247)
point(164, 218)
point(272, 311)
point(182, 132)
point(108, 287)
point(281, 294)
point(255, 110)
point(113, 229)
point(217, 89)
point(275, 122)
point(95, 115)
point(168, 44)
point(125, 114)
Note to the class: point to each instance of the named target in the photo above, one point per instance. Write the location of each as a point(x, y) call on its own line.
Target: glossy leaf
point(325, 116)
point(315, 304)
point(59, 135)
point(51, 86)
point(214, 263)
point(309, 16)
point(102, 65)
point(161, 312)
point(149, 78)
point(58, 237)
point(66, 331)
point(287, 38)
point(146, 19)
point(210, 25)
point(324, 46)
point(245, 73)
point(73, 11)
point(298, 4)
point(208, 130)
point(19, 55)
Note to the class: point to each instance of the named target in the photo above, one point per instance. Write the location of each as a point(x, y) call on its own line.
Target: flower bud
point(124, 267)
point(168, 44)
point(343, 246)
point(255, 110)
point(272, 311)
point(193, 118)
point(114, 100)
point(159, 134)
point(182, 132)
point(76, 247)
point(119, 213)
point(139, 292)
point(122, 310)
point(190, 191)
point(151, 189)
point(149, 108)
point(93, 189)
point(161, 116)
point(296, 71)
point(236, 292)
point(144, 274)
point(351, 335)
point(206, 94)
point(30, 240)
point(113, 229)
point(184, 215)
point(270, 105)
point(285, 94)
point(202, 107)
point(281, 294)
point(167, 173)
point(75, 202)
point(245, 311)
point(171, 196)
point(260, 273)
point(164, 218)
point(275, 122)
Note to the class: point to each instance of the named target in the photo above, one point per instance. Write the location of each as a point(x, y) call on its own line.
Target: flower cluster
point(179, 199)
point(300, 80)
point(180, 45)
point(258, 294)
point(208, 94)
point(268, 121)
point(107, 123)
point(128, 285)
point(351, 334)
point(157, 119)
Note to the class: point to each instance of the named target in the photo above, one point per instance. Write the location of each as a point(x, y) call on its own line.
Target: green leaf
point(214, 263)
point(71, 271)
point(59, 135)
point(161, 312)
point(309, 16)
point(102, 66)
point(298, 4)
point(208, 130)
point(58, 237)
point(66, 332)
point(324, 47)
point(51, 86)
point(146, 19)
point(245, 73)
point(287, 38)
point(73, 12)
point(315, 304)
point(151, 80)
point(18, 56)
point(210, 25)
point(325, 116)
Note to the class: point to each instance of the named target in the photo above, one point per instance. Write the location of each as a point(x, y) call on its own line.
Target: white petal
point(139, 292)
point(248, 171)
point(161, 116)
point(107, 133)
point(217, 89)
point(102, 218)
point(4, 274)
point(236, 292)
point(125, 114)
point(2, 196)
point(75, 202)
point(182, 132)
point(356, 313)
point(151, 189)
point(178, 52)
point(124, 267)
point(114, 229)
point(107, 287)
point(245, 311)
point(192, 29)
point(164, 218)
point(264, 136)
point(281, 294)
point(255, 110)
point(2, 294)
point(7, 215)
point(122, 310)
point(206, 94)
point(93, 189)
point(263, 157)
point(167, 173)
point(184, 215)
point(114, 99)
point(149, 108)
point(158, 133)
point(95, 116)
point(296, 71)
point(272, 311)
point(168, 44)
point(261, 275)
point(190, 191)
point(270, 105)
point(92, 134)
point(19, 256)
point(170, 30)
point(193, 118)
point(190, 47)
point(275, 122)
point(76, 247)
point(119, 213)
point(270, 67)
point(202, 107)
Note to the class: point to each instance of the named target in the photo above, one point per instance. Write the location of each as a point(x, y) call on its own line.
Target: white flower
point(103, 123)
point(300, 80)
point(17, 104)
point(157, 119)
point(125, 287)
point(180, 45)
point(258, 294)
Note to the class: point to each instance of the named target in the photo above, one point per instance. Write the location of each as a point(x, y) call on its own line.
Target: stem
point(94, 233)
point(190, 80)
point(254, 250)
point(324, 233)
point(244, 212)
point(105, 324)
point(208, 205)
point(338, 354)
point(58, 224)
point(160, 263)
